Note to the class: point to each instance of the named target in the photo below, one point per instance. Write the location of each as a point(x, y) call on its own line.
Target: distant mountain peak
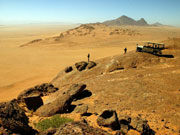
point(123, 16)
point(157, 24)
point(125, 20)
point(142, 19)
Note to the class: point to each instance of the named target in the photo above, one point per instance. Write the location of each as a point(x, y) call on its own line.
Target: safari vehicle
point(149, 47)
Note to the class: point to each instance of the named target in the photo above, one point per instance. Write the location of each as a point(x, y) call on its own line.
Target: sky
point(88, 11)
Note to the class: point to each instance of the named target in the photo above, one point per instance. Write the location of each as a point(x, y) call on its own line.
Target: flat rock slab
point(38, 90)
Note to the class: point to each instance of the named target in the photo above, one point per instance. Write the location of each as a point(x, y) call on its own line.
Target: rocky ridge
point(124, 20)
point(86, 31)
point(119, 94)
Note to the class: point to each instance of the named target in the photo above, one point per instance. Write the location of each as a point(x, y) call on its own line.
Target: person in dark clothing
point(88, 57)
point(125, 50)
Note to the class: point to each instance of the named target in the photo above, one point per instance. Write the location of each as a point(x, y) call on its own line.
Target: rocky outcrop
point(123, 124)
point(32, 96)
point(135, 123)
point(81, 65)
point(38, 90)
point(13, 118)
point(141, 126)
point(84, 65)
point(108, 118)
point(77, 128)
point(62, 102)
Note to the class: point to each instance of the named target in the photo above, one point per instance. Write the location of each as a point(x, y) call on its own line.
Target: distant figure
point(88, 57)
point(125, 50)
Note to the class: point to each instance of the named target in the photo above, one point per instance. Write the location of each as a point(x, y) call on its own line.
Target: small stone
point(82, 109)
point(108, 118)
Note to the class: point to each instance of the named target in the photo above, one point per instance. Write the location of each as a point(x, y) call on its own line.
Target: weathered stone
point(91, 64)
point(68, 69)
point(141, 126)
point(113, 65)
point(62, 103)
point(81, 65)
point(75, 90)
point(33, 102)
point(13, 118)
point(38, 90)
point(82, 109)
point(77, 128)
point(108, 119)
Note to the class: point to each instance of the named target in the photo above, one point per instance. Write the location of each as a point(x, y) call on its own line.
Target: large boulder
point(75, 90)
point(84, 65)
point(78, 128)
point(81, 65)
point(108, 118)
point(41, 90)
point(62, 102)
point(13, 118)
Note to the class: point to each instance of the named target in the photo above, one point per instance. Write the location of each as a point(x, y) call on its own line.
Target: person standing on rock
point(88, 57)
point(125, 50)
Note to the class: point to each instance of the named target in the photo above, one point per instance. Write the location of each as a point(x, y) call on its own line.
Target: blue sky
point(86, 11)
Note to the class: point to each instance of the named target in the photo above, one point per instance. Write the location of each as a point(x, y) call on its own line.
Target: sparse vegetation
point(54, 122)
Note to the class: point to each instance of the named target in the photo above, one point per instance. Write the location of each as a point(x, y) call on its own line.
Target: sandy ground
point(23, 67)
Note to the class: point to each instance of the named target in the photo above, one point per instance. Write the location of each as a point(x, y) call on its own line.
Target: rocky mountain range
point(125, 20)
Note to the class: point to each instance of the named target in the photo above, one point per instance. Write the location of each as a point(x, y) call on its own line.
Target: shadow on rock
point(71, 108)
point(84, 94)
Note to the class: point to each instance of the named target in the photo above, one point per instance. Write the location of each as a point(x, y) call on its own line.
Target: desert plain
point(35, 53)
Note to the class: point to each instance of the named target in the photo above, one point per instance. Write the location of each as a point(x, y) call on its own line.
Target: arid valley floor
point(146, 85)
